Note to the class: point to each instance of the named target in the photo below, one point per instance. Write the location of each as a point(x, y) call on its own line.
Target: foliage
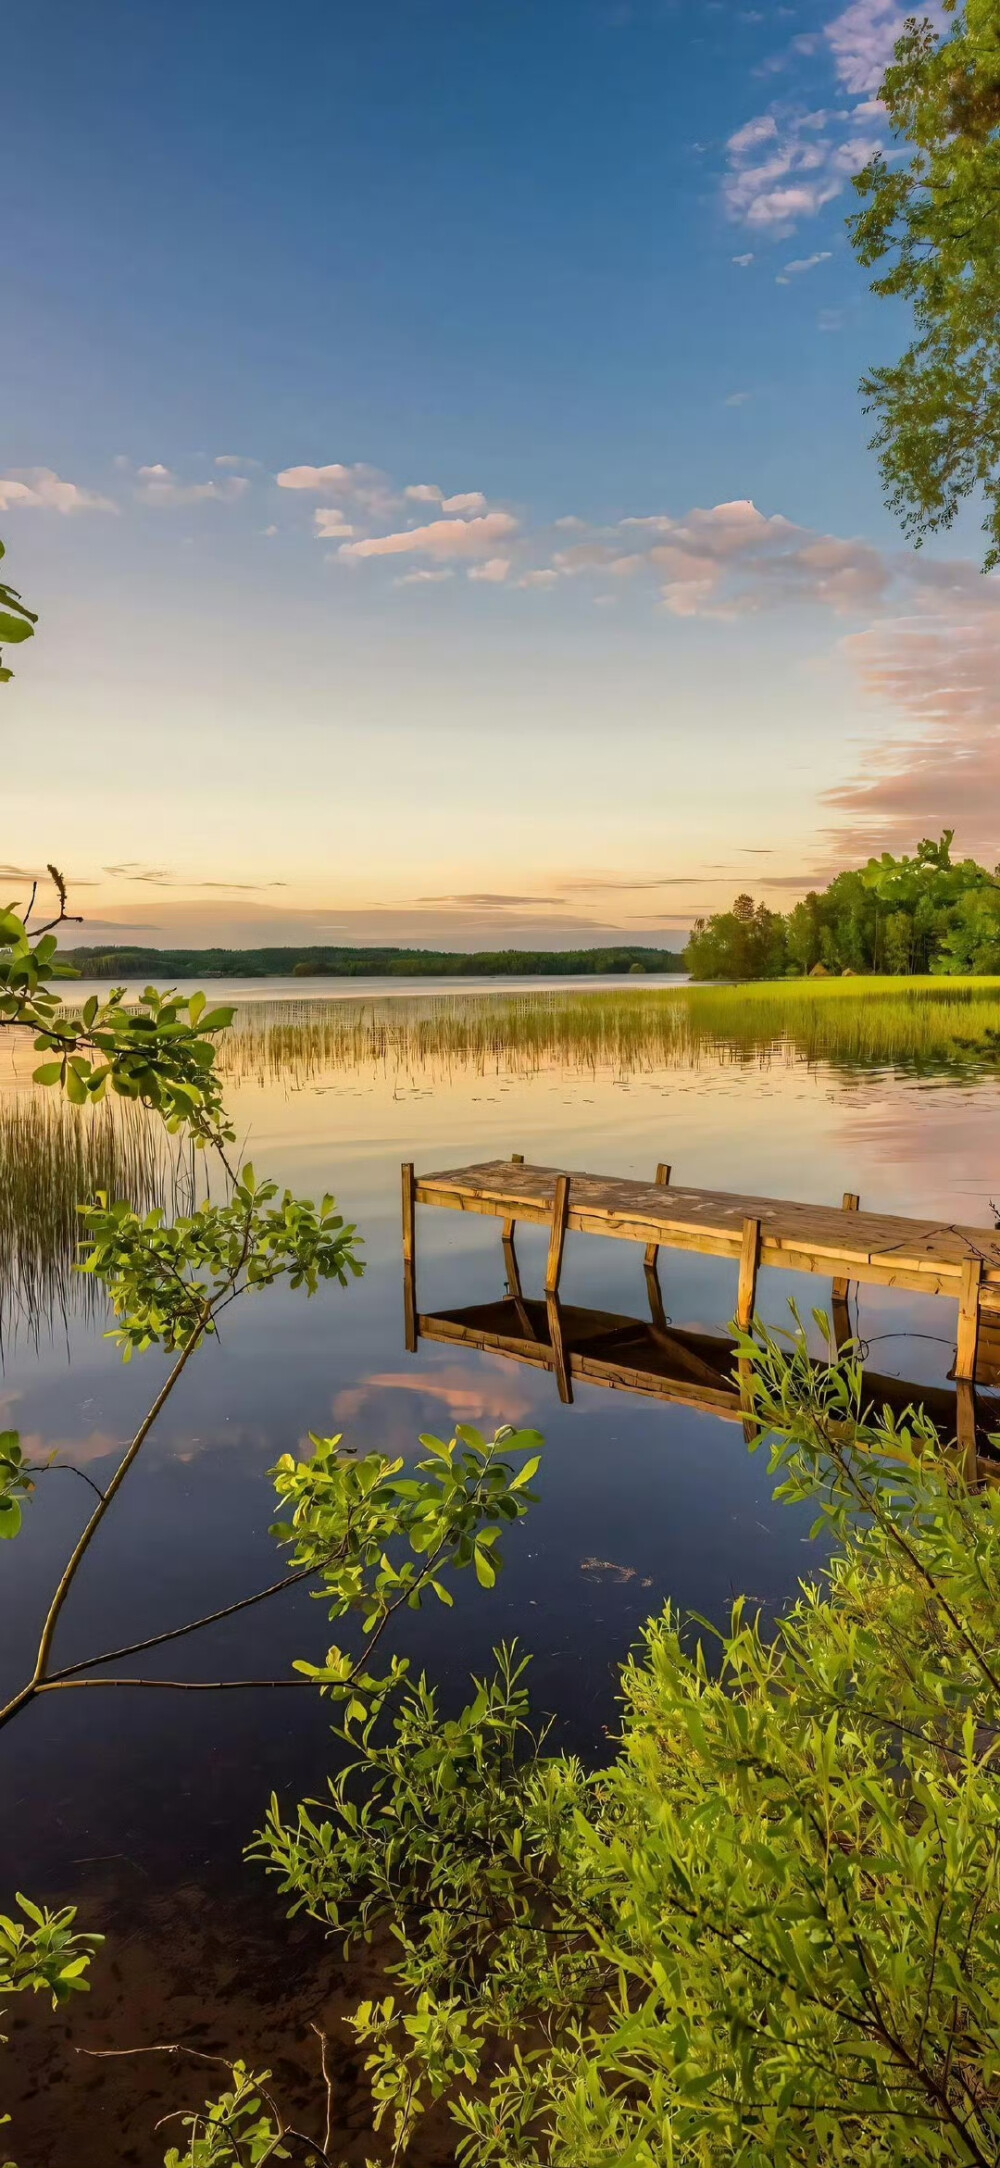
point(744, 943)
point(165, 1282)
point(351, 963)
point(925, 913)
point(767, 1933)
point(44, 1952)
point(931, 226)
point(17, 622)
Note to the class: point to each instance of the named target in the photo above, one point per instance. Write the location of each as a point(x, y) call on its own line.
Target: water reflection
point(139, 1807)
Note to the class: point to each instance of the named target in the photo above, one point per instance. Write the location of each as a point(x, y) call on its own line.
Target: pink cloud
point(441, 538)
point(495, 570)
point(332, 477)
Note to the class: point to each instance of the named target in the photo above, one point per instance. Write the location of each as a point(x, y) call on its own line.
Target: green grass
point(880, 1023)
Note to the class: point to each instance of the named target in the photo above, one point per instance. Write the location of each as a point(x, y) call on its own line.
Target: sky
point(430, 436)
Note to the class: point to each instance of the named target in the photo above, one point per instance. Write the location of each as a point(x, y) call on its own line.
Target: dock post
point(553, 1271)
point(512, 1267)
point(968, 1318)
point(653, 1288)
point(507, 1238)
point(841, 1287)
point(663, 1173)
point(746, 1296)
point(965, 1430)
point(409, 1258)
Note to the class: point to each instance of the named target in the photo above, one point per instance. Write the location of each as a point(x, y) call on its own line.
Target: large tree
point(931, 227)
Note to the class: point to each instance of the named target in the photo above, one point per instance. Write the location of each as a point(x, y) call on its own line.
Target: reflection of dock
point(627, 1354)
point(845, 1246)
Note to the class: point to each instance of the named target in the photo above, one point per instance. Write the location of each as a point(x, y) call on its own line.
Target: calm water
point(137, 1806)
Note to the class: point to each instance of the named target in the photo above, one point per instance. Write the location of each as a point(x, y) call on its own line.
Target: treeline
point(354, 963)
point(928, 913)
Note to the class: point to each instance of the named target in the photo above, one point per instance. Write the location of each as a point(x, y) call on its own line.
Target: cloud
point(861, 41)
point(40, 489)
point(542, 576)
point(781, 167)
point(329, 521)
point(471, 500)
point(441, 538)
point(424, 578)
point(938, 669)
point(366, 490)
point(233, 459)
point(334, 477)
point(159, 486)
point(747, 257)
point(495, 569)
point(488, 901)
point(802, 263)
point(737, 398)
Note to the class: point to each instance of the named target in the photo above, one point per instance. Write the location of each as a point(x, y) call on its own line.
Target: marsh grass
point(54, 1157)
point(940, 1025)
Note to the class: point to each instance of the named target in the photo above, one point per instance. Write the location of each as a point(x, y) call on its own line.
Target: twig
point(175, 1633)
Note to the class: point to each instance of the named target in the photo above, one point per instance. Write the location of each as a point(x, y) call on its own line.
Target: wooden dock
point(844, 1245)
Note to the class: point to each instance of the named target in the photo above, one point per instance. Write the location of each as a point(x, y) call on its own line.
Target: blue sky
point(431, 439)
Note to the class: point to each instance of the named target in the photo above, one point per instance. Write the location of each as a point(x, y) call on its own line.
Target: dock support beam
point(512, 1267)
point(842, 1288)
point(653, 1288)
point(968, 1318)
point(746, 1295)
point(553, 1271)
point(409, 1258)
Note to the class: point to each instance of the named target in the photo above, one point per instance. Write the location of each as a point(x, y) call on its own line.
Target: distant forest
point(354, 963)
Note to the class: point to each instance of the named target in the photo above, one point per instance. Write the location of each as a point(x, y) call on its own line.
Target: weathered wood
point(746, 1294)
point(968, 1318)
point(965, 1429)
point(516, 1160)
point(663, 1173)
point(878, 1249)
point(409, 1258)
point(655, 1295)
point(557, 1236)
point(841, 1287)
point(553, 1272)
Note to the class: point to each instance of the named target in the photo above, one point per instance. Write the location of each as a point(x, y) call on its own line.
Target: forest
point(928, 913)
point(355, 963)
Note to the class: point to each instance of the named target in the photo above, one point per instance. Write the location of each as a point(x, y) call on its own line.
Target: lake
point(136, 1806)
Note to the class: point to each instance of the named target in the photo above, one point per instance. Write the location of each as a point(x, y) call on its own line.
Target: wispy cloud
point(799, 264)
point(158, 485)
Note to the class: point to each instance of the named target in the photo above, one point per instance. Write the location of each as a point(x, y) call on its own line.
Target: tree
point(931, 226)
point(744, 943)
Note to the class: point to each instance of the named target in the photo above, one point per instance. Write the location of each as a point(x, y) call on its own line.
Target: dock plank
point(883, 1249)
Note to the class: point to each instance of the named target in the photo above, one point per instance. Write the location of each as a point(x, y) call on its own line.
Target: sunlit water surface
point(137, 1806)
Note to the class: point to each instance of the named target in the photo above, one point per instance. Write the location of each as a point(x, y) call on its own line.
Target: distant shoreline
point(306, 965)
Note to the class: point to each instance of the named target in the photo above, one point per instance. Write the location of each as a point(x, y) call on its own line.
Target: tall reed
point(897, 1024)
point(53, 1157)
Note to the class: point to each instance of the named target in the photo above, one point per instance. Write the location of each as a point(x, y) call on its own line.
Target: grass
point(53, 1157)
point(937, 1024)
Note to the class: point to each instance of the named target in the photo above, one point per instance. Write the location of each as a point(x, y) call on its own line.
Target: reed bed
point(942, 1025)
point(54, 1157)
